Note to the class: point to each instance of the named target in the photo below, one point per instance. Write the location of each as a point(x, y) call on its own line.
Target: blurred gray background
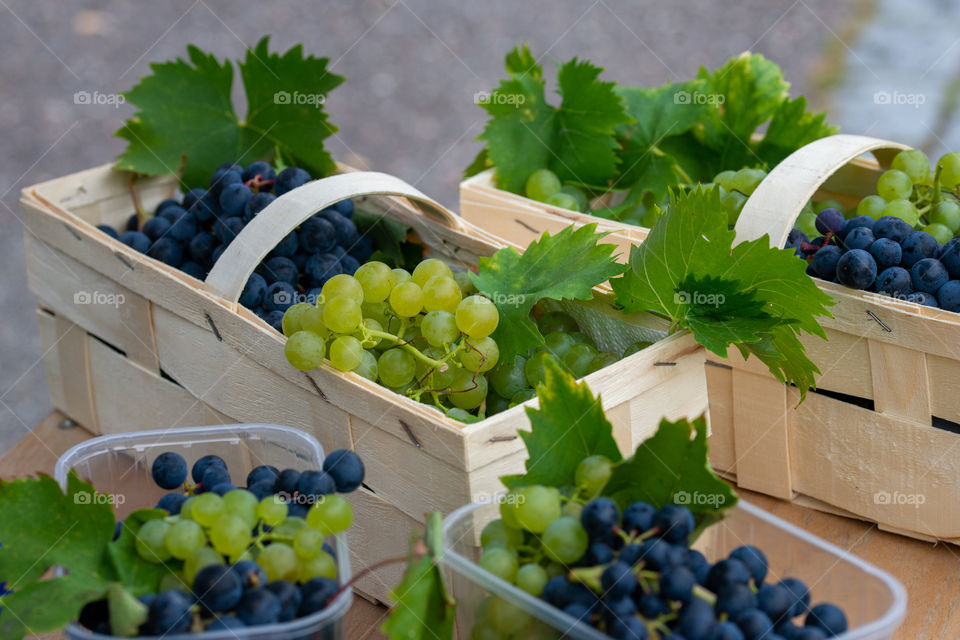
point(412, 68)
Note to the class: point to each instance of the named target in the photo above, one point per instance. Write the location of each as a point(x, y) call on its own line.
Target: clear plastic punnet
point(873, 600)
point(119, 465)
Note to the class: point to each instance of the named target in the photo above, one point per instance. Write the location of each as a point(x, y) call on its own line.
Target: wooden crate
point(867, 442)
point(175, 351)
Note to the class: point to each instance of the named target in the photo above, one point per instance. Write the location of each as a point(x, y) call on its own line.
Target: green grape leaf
point(185, 112)
point(479, 164)
point(388, 235)
point(672, 466)
point(565, 266)
point(42, 528)
point(792, 127)
point(569, 426)
point(133, 571)
point(423, 609)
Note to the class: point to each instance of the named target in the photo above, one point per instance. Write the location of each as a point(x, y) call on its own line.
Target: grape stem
point(135, 196)
point(386, 562)
point(409, 348)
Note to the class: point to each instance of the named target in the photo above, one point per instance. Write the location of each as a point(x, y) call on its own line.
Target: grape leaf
point(792, 127)
point(184, 111)
point(422, 610)
point(388, 235)
point(569, 426)
point(42, 527)
point(565, 266)
point(672, 466)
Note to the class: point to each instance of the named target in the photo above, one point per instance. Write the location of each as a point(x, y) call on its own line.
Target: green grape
point(807, 222)
point(400, 276)
point(592, 474)
point(573, 510)
point(541, 184)
point(150, 541)
point(272, 510)
point(441, 293)
point(430, 268)
point(581, 338)
point(534, 369)
point(461, 416)
point(330, 514)
point(557, 321)
point(903, 209)
point(604, 359)
point(501, 562)
point(371, 342)
point(579, 358)
point(312, 320)
point(496, 403)
point(564, 201)
point(377, 281)
point(304, 350)
point(342, 286)
point(498, 534)
point(522, 396)
point(733, 203)
point(440, 328)
point(942, 234)
point(949, 166)
point(894, 185)
point(368, 366)
point(183, 538)
point(507, 379)
point(342, 315)
point(564, 540)
point(346, 353)
point(558, 344)
point(279, 561)
point(532, 578)
point(870, 206)
point(321, 565)
point(725, 179)
point(746, 180)
point(185, 509)
point(396, 367)
point(508, 510)
point(832, 204)
point(173, 580)
point(242, 504)
point(507, 617)
point(406, 299)
point(207, 507)
point(308, 542)
point(481, 355)
point(465, 283)
point(230, 534)
point(947, 213)
point(477, 316)
point(538, 507)
point(376, 311)
point(636, 347)
point(200, 558)
point(468, 389)
point(289, 527)
point(291, 317)
point(438, 379)
point(578, 194)
point(914, 163)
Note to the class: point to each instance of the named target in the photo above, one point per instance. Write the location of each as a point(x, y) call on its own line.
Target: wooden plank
point(760, 424)
point(723, 454)
point(900, 385)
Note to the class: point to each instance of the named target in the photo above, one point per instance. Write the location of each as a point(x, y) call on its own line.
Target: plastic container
point(118, 465)
point(874, 601)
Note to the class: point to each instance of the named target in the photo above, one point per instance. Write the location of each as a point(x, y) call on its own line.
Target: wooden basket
point(520, 220)
point(174, 351)
point(865, 443)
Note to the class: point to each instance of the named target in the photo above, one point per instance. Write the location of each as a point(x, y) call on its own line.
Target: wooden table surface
point(929, 572)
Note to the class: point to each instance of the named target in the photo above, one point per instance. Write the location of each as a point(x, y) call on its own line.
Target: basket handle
point(230, 273)
point(779, 199)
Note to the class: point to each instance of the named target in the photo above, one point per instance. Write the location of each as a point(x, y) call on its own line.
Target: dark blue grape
point(809, 633)
point(262, 489)
point(696, 620)
point(222, 488)
point(363, 249)
point(167, 251)
point(789, 631)
point(755, 624)
point(135, 240)
point(300, 259)
point(169, 470)
point(262, 472)
point(279, 296)
point(172, 212)
point(655, 553)
point(287, 481)
point(857, 269)
point(652, 605)
point(201, 248)
point(297, 510)
point(321, 267)
point(258, 606)
point(223, 178)
point(200, 466)
point(796, 237)
point(312, 295)
point(928, 275)
point(349, 264)
point(191, 198)
point(859, 238)
point(346, 230)
point(287, 247)
point(184, 228)
point(193, 269)
point(676, 583)
point(726, 573)
point(257, 203)
point(675, 522)
point(775, 601)
point(317, 235)
point(824, 262)
point(618, 609)
point(315, 595)
point(217, 587)
point(155, 228)
point(629, 554)
point(345, 207)
point(214, 475)
point(949, 256)
point(207, 208)
point(289, 596)
point(734, 600)
point(172, 502)
point(578, 611)
point(346, 469)
point(164, 205)
point(924, 298)
point(618, 581)
point(754, 560)
point(557, 591)
point(628, 629)
point(677, 554)
point(234, 198)
point(827, 617)
point(855, 222)
point(948, 296)
point(893, 228)
point(886, 252)
point(259, 168)
point(895, 282)
point(169, 613)
point(94, 614)
point(917, 246)
point(598, 553)
point(250, 573)
point(799, 596)
point(254, 291)
point(316, 483)
point(339, 251)
point(225, 623)
point(830, 221)
point(599, 517)
point(227, 228)
point(110, 231)
point(289, 179)
point(133, 223)
point(280, 269)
